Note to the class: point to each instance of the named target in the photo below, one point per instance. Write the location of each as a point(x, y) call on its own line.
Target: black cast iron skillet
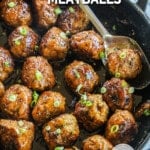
point(124, 19)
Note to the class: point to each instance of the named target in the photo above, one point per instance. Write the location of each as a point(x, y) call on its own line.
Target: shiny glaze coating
point(15, 103)
point(97, 142)
point(6, 64)
point(15, 16)
point(23, 45)
point(37, 73)
point(73, 21)
point(117, 94)
point(54, 44)
point(94, 115)
point(2, 89)
point(17, 135)
point(126, 62)
point(79, 73)
point(127, 127)
point(87, 44)
point(62, 131)
point(49, 105)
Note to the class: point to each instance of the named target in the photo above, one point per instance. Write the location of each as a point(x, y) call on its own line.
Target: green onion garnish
point(76, 73)
point(36, 47)
point(57, 103)
point(103, 90)
point(147, 112)
point(86, 103)
point(63, 35)
point(12, 97)
point(122, 55)
point(7, 64)
point(20, 123)
point(71, 9)
point(59, 148)
point(114, 27)
point(102, 55)
point(68, 33)
point(114, 128)
point(58, 131)
point(23, 31)
point(89, 75)
point(38, 75)
point(35, 97)
point(47, 128)
point(17, 42)
point(11, 4)
point(131, 90)
point(117, 75)
point(124, 84)
point(79, 88)
point(84, 96)
point(22, 130)
point(58, 11)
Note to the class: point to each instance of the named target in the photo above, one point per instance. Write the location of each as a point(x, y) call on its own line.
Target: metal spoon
point(143, 79)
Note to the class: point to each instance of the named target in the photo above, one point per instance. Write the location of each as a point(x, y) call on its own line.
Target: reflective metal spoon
point(143, 79)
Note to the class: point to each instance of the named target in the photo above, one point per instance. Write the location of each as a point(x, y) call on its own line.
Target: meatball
point(118, 94)
point(49, 104)
point(6, 64)
point(23, 41)
point(55, 44)
point(124, 63)
point(37, 73)
point(121, 127)
point(15, 12)
point(61, 131)
point(91, 111)
point(143, 110)
point(87, 44)
point(97, 142)
point(2, 89)
point(81, 77)
point(46, 13)
point(15, 103)
point(73, 20)
point(17, 135)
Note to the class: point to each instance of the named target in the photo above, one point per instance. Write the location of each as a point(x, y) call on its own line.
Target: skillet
point(124, 19)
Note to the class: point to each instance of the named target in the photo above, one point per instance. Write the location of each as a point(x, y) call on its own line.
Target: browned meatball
point(15, 12)
point(54, 44)
point(97, 142)
point(91, 111)
point(81, 77)
point(87, 44)
point(118, 94)
point(23, 41)
point(16, 101)
point(61, 131)
point(2, 89)
point(121, 127)
point(37, 73)
point(73, 20)
point(6, 64)
point(49, 104)
point(124, 63)
point(17, 135)
point(143, 110)
point(46, 15)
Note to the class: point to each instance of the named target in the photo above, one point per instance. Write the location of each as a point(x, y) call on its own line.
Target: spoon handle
point(95, 21)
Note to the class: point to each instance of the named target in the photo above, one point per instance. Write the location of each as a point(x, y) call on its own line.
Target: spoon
point(143, 79)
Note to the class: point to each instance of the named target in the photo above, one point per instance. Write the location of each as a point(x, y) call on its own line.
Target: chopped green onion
point(59, 148)
point(47, 128)
point(147, 112)
point(23, 31)
point(22, 130)
point(12, 97)
point(114, 128)
point(38, 75)
point(36, 47)
point(19, 81)
point(102, 55)
point(57, 103)
point(58, 11)
point(68, 33)
point(88, 103)
point(63, 35)
point(114, 27)
point(76, 73)
point(122, 55)
point(89, 75)
point(11, 4)
point(71, 9)
point(84, 96)
point(17, 42)
point(35, 97)
point(79, 88)
point(7, 64)
point(103, 90)
point(117, 75)
point(131, 90)
point(20, 123)
point(58, 131)
point(124, 84)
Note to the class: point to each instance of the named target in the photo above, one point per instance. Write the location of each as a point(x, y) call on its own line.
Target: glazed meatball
point(73, 20)
point(97, 142)
point(16, 135)
point(23, 41)
point(15, 12)
point(55, 44)
point(81, 77)
point(143, 110)
point(6, 64)
point(49, 104)
point(124, 63)
point(37, 73)
point(87, 44)
point(61, 131)
point(91, 111)
point(121, 127)
point(46, 13)
point(118, 94)
point(2, 89)
point(15, 103)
